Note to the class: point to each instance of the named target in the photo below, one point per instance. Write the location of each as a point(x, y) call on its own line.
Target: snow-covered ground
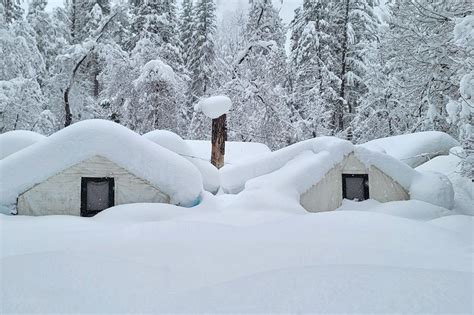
point(245, 253)
point(220, 258)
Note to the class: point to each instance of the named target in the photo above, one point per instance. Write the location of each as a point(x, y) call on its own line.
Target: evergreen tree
point(12, 10)
point(202, 54)
point(257, 87)
point(186, 27)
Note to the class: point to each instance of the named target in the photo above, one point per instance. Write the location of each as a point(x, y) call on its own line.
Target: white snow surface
point(415, 148)
point(433, 187)
point(173, 142)
point(235, 151)
point(239, 255)
point(214, 106)
point(173, 174)
point(410, 209)
point(16, 140)
point(169, 140)
point(449, 165)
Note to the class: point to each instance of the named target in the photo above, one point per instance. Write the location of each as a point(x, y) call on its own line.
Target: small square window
point(97, 194)
point(355, 186)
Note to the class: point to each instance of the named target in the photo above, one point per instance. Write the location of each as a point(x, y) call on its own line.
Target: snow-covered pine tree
point(461, 111)
point(21, 98)
point(11, 10)
point(313, 82)
point(424, 59)
point(186, 27)
point(257, 87)
point(355, 26)
point(202, 53)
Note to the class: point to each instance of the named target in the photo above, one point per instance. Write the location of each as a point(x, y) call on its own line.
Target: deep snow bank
point(351, 261)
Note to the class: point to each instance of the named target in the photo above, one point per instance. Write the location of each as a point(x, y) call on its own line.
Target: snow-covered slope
point(414, 148)
point(16, 140)
point(216, 258)
point(173, 174)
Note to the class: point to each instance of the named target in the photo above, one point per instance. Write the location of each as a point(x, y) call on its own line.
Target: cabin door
point(97, 194)
point(355, 186)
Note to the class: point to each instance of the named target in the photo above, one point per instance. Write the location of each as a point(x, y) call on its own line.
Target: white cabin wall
point(326, 195)
point(61, 193)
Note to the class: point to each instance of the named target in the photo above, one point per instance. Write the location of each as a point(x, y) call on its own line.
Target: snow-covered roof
point(296, 168)
point(173, 142)
point(235, 151)
point(162, 168)
point(414, 148)
point(169, 140)
point(16, 140)
point(198, 152)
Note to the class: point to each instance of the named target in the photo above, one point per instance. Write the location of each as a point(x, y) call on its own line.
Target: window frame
point(366, 187)
point(84, 180)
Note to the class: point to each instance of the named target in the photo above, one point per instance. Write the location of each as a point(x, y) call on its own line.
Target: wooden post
point(219, 137)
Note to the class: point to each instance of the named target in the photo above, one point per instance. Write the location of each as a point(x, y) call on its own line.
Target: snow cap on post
point(214, 106)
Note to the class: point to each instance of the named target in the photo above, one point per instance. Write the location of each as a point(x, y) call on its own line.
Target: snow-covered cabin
point(93, 165)
point(16, 140)
point(416, 148)
point(321, 172)
point(198, 152)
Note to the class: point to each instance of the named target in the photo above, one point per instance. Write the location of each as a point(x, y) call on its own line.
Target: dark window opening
point(355, 186)
point(97, 194)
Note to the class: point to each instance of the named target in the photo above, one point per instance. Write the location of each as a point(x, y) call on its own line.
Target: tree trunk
point(67, 108)
point(219, 137)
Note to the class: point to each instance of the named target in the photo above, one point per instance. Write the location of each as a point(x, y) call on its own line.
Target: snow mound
point(173, 142)
point(463, 187)
point(140, 212)
point(215, 106)
point(169, 140)
point(434, 188)
point(174, 175)
point(16, 140)
point(415, 148)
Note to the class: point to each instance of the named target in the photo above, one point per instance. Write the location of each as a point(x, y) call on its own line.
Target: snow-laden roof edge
point(16, 140)
point(166, 170)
